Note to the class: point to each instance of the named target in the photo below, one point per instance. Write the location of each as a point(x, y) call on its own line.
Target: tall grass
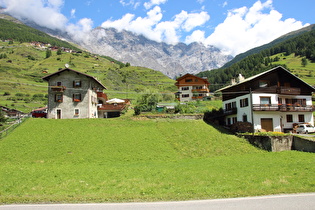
point(117, 160)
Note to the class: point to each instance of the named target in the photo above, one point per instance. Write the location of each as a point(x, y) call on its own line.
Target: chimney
point(240, 78)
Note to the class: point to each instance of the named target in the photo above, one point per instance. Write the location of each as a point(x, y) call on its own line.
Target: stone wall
point(281, 143)
point(304, 145)
point(271, 143)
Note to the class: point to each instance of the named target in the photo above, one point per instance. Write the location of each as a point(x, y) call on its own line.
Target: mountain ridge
point(171, 60)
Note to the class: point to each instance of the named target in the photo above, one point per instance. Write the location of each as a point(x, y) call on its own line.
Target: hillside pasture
point(122, 159)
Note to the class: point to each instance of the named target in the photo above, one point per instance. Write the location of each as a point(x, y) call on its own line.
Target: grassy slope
point(24, 75)
point(140, 160)
point(294, 63)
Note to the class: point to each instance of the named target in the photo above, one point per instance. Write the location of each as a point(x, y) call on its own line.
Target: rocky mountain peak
point(172, 60)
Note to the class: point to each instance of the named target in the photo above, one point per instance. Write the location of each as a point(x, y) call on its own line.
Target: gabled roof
point(191, 75)
point(67, 69)
point(257, 76)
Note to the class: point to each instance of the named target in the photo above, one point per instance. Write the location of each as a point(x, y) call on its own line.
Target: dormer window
point(263, 83)
point(76, 83)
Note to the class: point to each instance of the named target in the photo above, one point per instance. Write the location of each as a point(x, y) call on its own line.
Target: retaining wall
point(281, 143)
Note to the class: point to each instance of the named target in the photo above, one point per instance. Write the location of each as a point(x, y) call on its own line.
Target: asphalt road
point(277, 202)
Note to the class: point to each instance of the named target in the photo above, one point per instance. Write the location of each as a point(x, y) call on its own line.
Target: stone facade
point(72, 94)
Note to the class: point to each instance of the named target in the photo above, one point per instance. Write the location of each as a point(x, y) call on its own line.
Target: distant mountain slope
point(172, 60)
point(269, 45)
point(14, 29)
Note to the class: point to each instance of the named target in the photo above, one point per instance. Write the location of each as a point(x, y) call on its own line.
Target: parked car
point(305, 128)
point(38, 114)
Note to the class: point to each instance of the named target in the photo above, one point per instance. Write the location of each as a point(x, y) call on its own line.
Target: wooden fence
point(11, 128)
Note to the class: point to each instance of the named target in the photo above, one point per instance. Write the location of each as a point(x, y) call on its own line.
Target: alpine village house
point(191, 87)
point(274, 100)
point(72, 94)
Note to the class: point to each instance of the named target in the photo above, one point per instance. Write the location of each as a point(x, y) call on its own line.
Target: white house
point(274, 100)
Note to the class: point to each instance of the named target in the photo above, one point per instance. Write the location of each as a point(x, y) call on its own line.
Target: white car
point(305, 128)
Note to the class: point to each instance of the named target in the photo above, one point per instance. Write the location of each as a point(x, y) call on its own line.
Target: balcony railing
point(282, 108)
point(58, 88)
point(203, 90)
point(197, 97)
point(289, 90)
point(230, 111)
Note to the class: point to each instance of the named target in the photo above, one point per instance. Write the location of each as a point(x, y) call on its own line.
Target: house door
point(58, 113)
point(267, 124)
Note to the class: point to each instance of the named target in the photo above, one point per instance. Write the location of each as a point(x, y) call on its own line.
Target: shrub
point(6, 94)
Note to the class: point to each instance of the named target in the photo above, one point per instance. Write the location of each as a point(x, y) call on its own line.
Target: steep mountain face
point(171, 60)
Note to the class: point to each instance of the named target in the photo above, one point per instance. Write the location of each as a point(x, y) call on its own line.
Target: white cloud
point(138, 25)
point(44, 13)
point(152, 3)
point(195, 19)
point(245, 28)
point(196, 36)
point(225, 4)
point(80, 30)
point(153, 28)
point(73, 13)
point(132, 3)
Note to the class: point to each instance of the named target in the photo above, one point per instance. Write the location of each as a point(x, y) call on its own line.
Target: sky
point(234, 26)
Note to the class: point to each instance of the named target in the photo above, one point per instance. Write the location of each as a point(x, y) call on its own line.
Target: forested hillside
point(277, 41)
point(22, 33)
point(298, 52)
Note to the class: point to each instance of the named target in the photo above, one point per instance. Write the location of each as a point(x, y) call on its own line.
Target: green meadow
point(134, 159)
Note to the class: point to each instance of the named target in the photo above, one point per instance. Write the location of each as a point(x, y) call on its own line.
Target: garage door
point(267, 124)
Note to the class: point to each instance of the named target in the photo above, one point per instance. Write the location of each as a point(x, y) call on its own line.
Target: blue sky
point(234, 26)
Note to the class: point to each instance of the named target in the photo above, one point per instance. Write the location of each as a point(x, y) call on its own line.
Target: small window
point(185, 96)
point(59, 83)
point(188, 80)
point(263, 83)
point(77, 97)
point(58, 98)
point(185, 88)
point(244, 102)
point(289, 118)
point(76, 111)
point(234, 120)
point(76, 83)
point(265, 100)
point(301, 118)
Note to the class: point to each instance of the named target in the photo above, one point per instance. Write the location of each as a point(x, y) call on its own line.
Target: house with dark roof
point(72, 94)
point(274, 100)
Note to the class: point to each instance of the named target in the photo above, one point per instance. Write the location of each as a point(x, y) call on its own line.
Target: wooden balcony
point(289, 91)
point(282, 108)
point(200, 90)
point(58, 88)
point(230, 111)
